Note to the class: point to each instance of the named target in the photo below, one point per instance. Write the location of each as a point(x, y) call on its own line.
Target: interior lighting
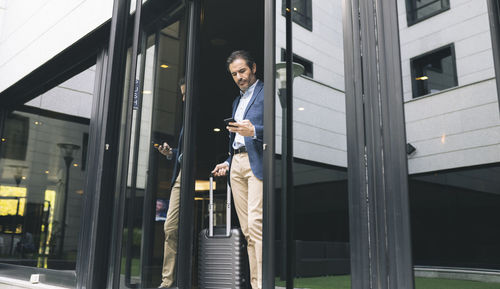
point(301, 108)
point(443, 138)
point(75, 165)
point(3, 139)
point(164, 66)
point(24, 178)
point(422, 78)
point(216, 129)
point(295, 9)
point(202, 185)
point(47, 172)
point(146, 92)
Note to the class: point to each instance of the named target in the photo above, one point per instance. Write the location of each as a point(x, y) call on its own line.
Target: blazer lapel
point(256, 92)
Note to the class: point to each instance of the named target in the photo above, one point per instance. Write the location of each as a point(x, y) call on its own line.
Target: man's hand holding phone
point(244, 127)
point(165, 149)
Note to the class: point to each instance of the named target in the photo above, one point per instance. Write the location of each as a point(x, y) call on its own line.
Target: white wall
point(323, 46)
point(320, 128)
point(460, 126)
point(455, 128)
point(32, 32)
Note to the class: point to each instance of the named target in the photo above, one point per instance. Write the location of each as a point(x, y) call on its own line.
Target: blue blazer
point(255, 114)
point(175, 153)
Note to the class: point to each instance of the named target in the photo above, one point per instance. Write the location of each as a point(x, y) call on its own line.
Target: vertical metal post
point(288, 158)
point(378, 173)
point(494, 14)
point(269, 220)
point(186, 216)
point(67, 163)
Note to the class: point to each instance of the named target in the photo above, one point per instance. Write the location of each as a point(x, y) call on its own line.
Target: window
point(418, 10)
point(17, 128)
point(434, 71)
point(302, 12)
point(308, 65)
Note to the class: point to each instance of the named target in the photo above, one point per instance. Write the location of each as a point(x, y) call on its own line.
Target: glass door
point(148, 206)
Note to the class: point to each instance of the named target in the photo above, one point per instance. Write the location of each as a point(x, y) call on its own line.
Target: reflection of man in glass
point(172, 221)
point(161, 210)
point(245, 156)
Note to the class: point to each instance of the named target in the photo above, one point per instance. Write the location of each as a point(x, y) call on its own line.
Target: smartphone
point(228, 120)
point(156, 143)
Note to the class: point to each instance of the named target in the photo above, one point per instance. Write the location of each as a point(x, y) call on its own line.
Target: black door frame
point(494, 15)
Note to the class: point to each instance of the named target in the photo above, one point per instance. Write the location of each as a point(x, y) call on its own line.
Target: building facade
point(390, 174)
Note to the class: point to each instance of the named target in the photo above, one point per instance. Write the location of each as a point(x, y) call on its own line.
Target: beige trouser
point(247, 194)
point(171, 233)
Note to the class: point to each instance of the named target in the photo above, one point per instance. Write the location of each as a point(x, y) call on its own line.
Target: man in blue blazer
point(245, 156)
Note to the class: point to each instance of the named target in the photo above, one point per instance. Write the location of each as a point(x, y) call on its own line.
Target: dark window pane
point(15, 137)
point(418, 10)
point(302, 12)
point(308, 65)
point(434, 72)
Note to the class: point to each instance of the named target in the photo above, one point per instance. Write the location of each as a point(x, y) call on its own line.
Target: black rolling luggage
point(223, 259)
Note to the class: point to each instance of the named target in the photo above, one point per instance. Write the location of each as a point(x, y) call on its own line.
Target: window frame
point(450, 46)
point(309, 64)
point(411, 11)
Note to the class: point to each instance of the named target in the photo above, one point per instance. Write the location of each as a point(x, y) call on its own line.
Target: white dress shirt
point(239, 140)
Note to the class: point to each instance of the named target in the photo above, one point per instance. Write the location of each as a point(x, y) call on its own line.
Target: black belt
point(240, 150)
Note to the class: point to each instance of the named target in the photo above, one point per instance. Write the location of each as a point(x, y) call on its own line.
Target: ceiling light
point(443, 138)
point(216, 129)
point(422, 78)
point(146, 92)
point(24, 178)
point(164, 66)
point(295, 9)
point(4, 139)
point(301, 108)
point(75, 165)
point(47, 172)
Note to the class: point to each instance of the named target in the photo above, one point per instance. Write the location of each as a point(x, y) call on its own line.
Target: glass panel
point(42, 170)
point(320, 214)
point(151, 211)
point(217, 92)
point(453, 161)
point(434, 71)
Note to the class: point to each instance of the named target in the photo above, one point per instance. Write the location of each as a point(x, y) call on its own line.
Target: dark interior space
point(226, 26)
point(455, 226)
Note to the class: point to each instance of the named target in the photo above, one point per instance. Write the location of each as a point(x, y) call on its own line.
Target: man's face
point(159, 205)
point(183, 92)
point(243, 75)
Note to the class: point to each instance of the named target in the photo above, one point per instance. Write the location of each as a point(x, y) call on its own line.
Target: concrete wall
point(32, 32)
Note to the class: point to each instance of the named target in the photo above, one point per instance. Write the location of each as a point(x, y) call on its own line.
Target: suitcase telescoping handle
point(211, 209)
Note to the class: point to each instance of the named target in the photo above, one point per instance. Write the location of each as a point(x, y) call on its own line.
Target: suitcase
point(223, 259)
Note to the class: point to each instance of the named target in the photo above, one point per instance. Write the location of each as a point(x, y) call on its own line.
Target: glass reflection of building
point(34, 180)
